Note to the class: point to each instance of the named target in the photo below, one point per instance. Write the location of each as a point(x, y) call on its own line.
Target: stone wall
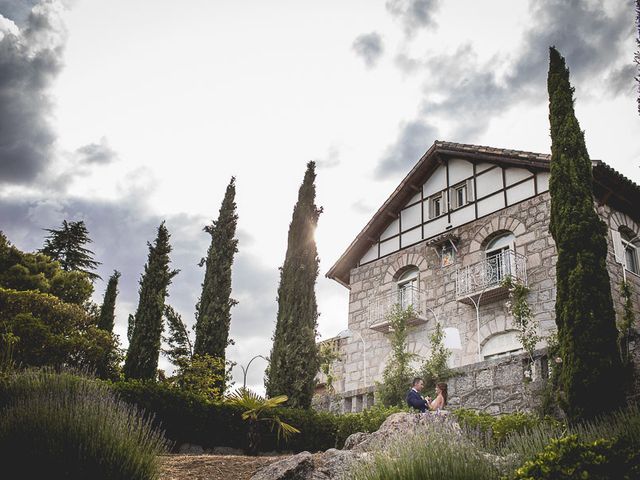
point(503, 385)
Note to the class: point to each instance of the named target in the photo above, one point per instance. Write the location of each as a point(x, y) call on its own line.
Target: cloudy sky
point(127, 112)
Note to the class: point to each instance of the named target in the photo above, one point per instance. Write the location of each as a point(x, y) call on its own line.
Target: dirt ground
point(211, 467)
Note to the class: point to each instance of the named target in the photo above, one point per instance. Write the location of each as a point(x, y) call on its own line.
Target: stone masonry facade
point(495, 385)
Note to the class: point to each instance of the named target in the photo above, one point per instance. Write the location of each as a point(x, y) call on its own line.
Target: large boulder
point(400, 425)
point(298, 467)
point(335, 464)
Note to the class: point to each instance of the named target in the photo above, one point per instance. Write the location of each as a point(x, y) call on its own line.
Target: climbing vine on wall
point(523, 320)
point(626, 322)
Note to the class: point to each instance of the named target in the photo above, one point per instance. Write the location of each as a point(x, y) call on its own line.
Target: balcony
point(381, 306)
point(483, 280)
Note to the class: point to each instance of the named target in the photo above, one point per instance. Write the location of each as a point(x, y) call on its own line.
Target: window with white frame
point(626, 245)
point(499, 262)
point(459, 195)
point(630, 253)
point(408, 288)
point(436, 206)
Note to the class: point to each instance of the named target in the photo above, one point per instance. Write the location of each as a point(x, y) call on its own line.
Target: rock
point(399, 425)
point(335, 464)
point(226, 451)
point(190, 448)
point(354, 439)
point(298, 467)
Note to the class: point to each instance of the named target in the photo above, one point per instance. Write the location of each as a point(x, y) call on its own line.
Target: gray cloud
point(368, 46)
point(17, 10)
point(96, 153)
point(29, 62)
point(361, 206)
point(415, 137)
point(465, 93)
point(414, 14)
point(330, 160)
point(622, 80)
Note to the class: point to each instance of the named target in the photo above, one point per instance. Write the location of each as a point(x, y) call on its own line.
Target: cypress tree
point(294, 357)
point(107, 310)
point(584, 308)
point(144, 347)
point(67, 246)
point(213, 311)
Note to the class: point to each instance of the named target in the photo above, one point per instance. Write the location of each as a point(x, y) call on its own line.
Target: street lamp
point(350, 333)
point(245, 369)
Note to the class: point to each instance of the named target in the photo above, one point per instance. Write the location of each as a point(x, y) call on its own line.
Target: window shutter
point(470, 192)
point(445, 201)
point(430, 207)
point(454, 198)
point(618, 248)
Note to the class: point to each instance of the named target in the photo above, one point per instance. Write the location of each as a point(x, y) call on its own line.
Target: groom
point(414, 399)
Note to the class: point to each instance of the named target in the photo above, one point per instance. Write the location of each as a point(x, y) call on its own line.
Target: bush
point(568, 457)
point(188, 418)
point(60, 425)
point(494, 430)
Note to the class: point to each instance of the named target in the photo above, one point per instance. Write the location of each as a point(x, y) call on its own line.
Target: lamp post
point(350, 333)
point(245, 369)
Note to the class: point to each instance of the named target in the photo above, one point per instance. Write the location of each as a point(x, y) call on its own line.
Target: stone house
point(463, 219)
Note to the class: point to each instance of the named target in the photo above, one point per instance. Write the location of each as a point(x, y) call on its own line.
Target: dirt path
point(211, 467)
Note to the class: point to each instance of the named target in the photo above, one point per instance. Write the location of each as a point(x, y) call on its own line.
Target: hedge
point(187, 418)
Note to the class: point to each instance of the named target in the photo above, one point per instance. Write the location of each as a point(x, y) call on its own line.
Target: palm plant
point(258, 409)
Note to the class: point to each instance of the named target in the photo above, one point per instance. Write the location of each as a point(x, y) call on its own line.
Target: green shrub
point(188, 418)
point(568, 457)
point(60, 425)
point(494, 430)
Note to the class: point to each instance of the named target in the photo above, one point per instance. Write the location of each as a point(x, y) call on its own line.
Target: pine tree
point(180, 349)
point(66, 246)
point(107, 310)
point(142, 356)
point(213, 311)
point(294, 357)
point(584, 308)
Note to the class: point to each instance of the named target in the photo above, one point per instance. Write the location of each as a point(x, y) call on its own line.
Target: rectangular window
point(461, 195)
point(631, 257)
point(458, 195)
point(435, 206)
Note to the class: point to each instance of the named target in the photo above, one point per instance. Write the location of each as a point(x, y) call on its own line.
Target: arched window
point(407, 284)
point(500, 259)
point(501, 345)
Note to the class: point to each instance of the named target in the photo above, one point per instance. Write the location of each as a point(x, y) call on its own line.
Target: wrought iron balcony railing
point(485, 277)
point(404, 297)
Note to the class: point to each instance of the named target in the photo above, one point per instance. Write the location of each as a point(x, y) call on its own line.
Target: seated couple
point(417, 401)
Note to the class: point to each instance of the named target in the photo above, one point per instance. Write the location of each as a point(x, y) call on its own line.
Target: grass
point(61, 425)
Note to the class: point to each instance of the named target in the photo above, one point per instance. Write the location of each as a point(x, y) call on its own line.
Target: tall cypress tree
point(294, 357)
point(213, 311)
point(142, 356)
point(584, 308)
point(67, 246)
point(107, 310)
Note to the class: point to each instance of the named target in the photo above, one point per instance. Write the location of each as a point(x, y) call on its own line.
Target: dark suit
point(416, 401)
